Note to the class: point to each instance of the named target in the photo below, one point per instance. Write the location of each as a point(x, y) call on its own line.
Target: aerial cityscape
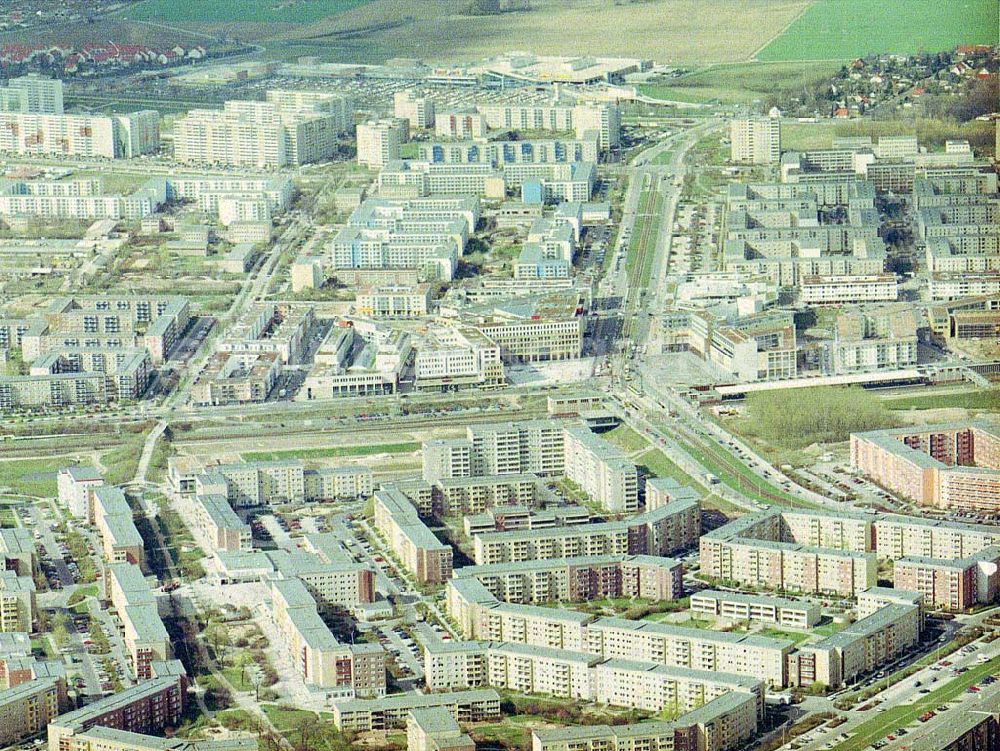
point(499, 375)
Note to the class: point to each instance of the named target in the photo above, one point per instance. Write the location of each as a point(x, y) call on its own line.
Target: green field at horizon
point(231, 11)
point(845, 29)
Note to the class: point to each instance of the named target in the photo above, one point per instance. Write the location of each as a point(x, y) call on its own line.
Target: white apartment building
point(78, 199)
point(602, 470)
point(850, 289)
point(417, 110)
point(459, 125)
point(76, 489)
point(755, 140)
point(101, 136)
point(379, 141)
point(717, 604)
point(32, 93)
point(285, 130)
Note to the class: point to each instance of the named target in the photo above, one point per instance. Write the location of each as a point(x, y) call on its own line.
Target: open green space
point(900, 716)
point(793, 636)
point(330, 452)
point(844, 29)
point(741, 83)
point(986, 399)
point(31, 477)
point(626, 439)
point(227, 11)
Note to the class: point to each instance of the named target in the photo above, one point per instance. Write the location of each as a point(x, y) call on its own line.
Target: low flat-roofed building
point(734, 606)
point(390, 712)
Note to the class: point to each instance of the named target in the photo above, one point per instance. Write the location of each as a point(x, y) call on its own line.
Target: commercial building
point(340, 670)
point(281, 328)
point(755, 140)
point(290, 128)
point(391, 712)
point(954, 466)
point(451, 356)
point(394, 301)
point(601, 470)
point(867, 341)
point(409, 538)
point(379, 141)
point(716, 604)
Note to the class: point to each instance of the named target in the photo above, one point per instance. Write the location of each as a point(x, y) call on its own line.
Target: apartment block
point(872, 600)
point(755, 140)
point(346, 670)
point(601, 470)
point(459, 125)
point(147, 707)
point(808, 552)
point(391, 712)
point(416, 109)
point(953, 466)
point(17, 551)
point(100, 738)
point(409, 538)
point(78, 199)
point(579, 579)
point(290, 128)
point(27, 709)
point(237, 378)
point(112, 516)
point(659, 532)
point(379, 141)
point(79, 135)
point(32, 93)
point(901, 536)
point(721, 724)
point(146, 639)
point(733, 606)
point(661, 491)
point(848, 290)
point(76, 489)
point(17, 603)
point(219, 523)
point(860, 648)
point(952, 584)
point(435, 729)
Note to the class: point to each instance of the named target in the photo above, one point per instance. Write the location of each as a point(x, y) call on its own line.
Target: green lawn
point(844, 29)
point(226, 11)
point(987, 399)
point(900, 716)
point(794, 636)
point(740, 83)
point(626, 439)
point(32, 477)
point(331, 452)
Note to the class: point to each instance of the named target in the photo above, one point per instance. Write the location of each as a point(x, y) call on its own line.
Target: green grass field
point(843, 29)
point(330, 452)
point(741, 83)
point(980, 399)
point(227, 11)
point(31, 477)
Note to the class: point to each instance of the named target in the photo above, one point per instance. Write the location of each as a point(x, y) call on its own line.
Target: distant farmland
point(844, 29)
point(229, 11)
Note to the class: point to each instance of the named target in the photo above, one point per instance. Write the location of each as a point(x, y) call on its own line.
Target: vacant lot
point(841, 29)
point(743, 82)
point(437, 30)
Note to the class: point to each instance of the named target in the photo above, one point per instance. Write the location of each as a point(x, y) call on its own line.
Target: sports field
point(230, 11)
point(844, 29)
